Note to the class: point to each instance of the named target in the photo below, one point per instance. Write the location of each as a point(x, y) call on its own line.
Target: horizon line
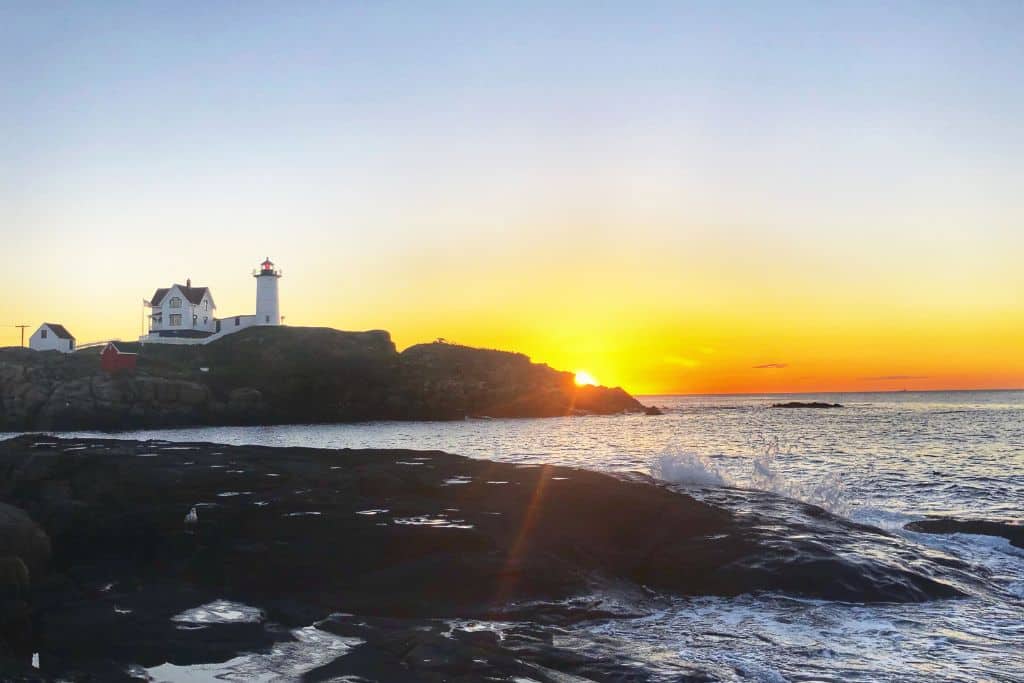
point(812, 393)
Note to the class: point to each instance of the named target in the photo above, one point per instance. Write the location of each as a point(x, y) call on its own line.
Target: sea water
point(882, 459)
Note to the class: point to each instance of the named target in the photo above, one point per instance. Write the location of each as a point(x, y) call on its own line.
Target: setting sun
point(583, 378)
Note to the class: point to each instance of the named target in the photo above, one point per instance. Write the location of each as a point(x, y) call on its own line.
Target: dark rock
point(807, 404)
point(653, 410)
point(1014, 533)
point(306, 533)
point(24, 556)
point(288, 375)
point(22, 542)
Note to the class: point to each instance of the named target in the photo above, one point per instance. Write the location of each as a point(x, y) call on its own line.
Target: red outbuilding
point(119, 356)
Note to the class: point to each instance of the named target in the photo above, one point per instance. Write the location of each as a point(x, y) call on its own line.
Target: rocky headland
point(388, 553)
point(266, 375)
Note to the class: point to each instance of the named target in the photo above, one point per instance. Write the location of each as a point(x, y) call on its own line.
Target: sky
point(674, 197)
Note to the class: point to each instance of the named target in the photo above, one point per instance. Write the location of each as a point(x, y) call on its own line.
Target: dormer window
point(176, 302)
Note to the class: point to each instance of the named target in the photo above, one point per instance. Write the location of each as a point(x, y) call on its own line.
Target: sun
point(583, 378)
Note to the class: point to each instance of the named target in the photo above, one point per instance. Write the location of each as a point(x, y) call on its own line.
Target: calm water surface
point(883, 459)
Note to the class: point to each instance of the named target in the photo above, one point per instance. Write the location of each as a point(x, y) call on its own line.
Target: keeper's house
point(52, 337)
point(182, 311)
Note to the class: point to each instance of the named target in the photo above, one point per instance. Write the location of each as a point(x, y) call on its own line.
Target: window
point(206, 320)
point(71, 345)
point(175, 319)
point(238, 321)
point(267, 318)
point(43, 334)
point(195, 319)
point(207, 304)
point(176, 303)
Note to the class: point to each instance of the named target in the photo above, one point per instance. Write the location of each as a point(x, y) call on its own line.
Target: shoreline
point(406, 535)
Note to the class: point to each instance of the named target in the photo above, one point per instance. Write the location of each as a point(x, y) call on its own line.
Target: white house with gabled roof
point(52, 337)
point(182, 311)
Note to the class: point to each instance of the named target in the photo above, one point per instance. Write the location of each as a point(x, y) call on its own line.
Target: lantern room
point(267, 269)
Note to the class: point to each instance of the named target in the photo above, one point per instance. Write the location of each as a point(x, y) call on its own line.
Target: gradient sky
point(674, 197)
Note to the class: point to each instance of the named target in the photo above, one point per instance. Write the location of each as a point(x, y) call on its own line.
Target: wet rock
point(24, 554)
point(22, 542)
point(1014, 533)
point(306, 533)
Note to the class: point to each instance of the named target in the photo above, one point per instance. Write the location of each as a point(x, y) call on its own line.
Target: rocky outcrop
point(21, 538)
point(1014, 533)
point(390, 539)
point(24, 555)
point(286, 374)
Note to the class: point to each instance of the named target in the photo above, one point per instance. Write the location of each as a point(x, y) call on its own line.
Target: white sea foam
point(220, 612)
point(286, 661)
point(759, 473)
point(687, 468)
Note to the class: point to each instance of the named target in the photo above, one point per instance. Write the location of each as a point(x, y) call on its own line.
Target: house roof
point(125, 347)
point(193, 294)
point(60, 330)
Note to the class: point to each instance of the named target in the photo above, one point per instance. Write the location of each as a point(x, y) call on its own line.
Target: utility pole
point(22, 334)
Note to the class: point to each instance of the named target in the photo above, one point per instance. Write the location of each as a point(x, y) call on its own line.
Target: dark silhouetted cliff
point(288, 375)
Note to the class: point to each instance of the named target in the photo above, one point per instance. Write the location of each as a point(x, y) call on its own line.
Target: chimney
point(188, 282)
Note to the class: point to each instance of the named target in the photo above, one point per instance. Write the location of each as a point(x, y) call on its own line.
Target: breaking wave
point(691, 469)
point(759, 473)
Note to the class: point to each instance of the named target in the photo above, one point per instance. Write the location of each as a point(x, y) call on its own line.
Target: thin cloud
point(895, 377)
point(767, 366)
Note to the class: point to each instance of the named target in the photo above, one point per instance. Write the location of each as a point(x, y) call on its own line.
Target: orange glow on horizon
point(662, 345)
point(724, 323)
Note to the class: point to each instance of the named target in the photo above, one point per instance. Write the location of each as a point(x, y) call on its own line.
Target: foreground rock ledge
point(398, 535)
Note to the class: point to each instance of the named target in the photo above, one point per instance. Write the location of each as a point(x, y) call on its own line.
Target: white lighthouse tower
point(268, 309)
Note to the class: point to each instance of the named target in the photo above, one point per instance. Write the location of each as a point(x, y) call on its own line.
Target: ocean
point(883, 459)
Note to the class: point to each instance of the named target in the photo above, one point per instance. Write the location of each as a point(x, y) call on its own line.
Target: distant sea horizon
point(824, 393)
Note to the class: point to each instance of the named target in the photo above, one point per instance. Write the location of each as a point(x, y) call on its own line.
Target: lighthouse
point(268, 309)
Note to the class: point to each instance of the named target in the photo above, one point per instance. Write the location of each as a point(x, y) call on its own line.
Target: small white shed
point(52, 337)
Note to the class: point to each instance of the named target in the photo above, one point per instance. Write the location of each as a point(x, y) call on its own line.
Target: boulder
point(22, 540)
